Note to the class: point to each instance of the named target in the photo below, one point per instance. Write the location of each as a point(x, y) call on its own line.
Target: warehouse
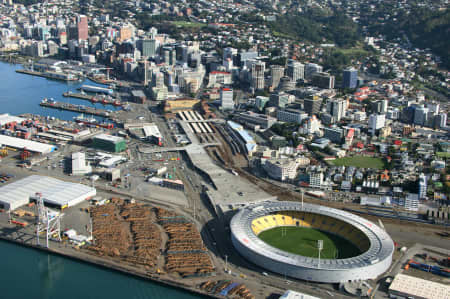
point(405, 286)
point(109, 143)
point(56, 193)
point(29, 145)
point(153, 134)
point(6, 119)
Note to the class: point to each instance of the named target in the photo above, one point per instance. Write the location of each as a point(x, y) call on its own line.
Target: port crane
point(48, 221)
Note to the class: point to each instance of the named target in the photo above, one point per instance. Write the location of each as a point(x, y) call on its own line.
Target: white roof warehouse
point(32, 146)
point(54, 192)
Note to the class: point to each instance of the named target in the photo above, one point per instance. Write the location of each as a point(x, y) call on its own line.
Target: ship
point(92, 121)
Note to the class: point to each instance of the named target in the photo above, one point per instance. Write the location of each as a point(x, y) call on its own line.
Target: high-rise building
point(312, 106)
point(440, 120)
point(422, 186)
point(229, 53)
point(311, 69)
point(258, 69)
point(148, 47)
point(334, 134)
point(295, 70)
point(279, 99)
point(276, 72)
point(376, 122)
point(315, 179)
point(126, 32)
point(226, 99)
point(337, 108)
point(323, 80)
point(82, 27)
point(350, 78)
point(421, 115)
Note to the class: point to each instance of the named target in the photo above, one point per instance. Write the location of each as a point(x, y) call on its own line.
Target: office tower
point(295, 70)
point(336, 108)
point(226, 99)
point(323, 80)
point(376, 122)
point(350, 78)
point(258, 69)
point(148, 47)
point(312, 106)
point(311, 69)
point(82, 28)
point(422, 186)
point(276, 72)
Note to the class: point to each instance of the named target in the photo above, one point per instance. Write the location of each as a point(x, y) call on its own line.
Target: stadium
point(283, 237)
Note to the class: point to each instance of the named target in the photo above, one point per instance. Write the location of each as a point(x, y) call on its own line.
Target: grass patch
point(303, 241)
point(187, 24)
point(443, 154)
point(282, 35)
point(360, 161)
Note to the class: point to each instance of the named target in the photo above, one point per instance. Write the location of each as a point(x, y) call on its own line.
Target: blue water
point(21, 93)
point(27, 273)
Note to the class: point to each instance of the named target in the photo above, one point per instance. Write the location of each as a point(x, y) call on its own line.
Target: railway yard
point(166, 217)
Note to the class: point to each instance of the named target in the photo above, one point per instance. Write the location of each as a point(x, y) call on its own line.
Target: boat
point(50, 101)
point(92, 121)
point(117, 103)
point(94, 100)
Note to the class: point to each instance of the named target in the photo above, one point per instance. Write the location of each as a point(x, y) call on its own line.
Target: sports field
point(303, 241)
point(360, 161)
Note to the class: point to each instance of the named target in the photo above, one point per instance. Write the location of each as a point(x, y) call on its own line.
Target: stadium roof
point(32, 146)
point(381, 245)
point(54, 192)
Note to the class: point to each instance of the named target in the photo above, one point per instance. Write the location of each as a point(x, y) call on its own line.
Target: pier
point(50, 75)
point(93, 99)
point(76, 108)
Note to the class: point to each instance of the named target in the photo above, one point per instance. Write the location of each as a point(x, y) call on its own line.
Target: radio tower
point(48, 221)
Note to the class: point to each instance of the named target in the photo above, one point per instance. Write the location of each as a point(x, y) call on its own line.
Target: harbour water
point(21, 93)
point(29, 273)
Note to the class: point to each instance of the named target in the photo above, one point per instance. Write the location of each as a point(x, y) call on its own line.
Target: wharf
point(101, 80)
point(93, 99)
point(76, 108)
point(40, 74)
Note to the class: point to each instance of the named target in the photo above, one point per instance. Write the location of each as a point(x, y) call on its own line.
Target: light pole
point(226, 263)
point(320, 247)
point(303, 192)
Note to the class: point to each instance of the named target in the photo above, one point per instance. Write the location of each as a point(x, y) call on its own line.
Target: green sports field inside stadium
point(303, 241)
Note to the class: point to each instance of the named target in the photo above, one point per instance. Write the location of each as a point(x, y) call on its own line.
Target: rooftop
point(419, 288)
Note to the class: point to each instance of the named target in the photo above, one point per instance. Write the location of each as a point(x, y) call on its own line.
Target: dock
point(92, 99)
point(49, 75)
point(76, 108)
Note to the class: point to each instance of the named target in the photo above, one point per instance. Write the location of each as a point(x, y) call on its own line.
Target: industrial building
point(6, 119)
point(29, 145)
point(109, 143)
point(54, 192)
point(405, 286)
point(79, 164)
point(375, 244)
point(152, 134)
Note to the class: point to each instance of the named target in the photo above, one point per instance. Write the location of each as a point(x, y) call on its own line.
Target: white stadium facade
point(375, 244)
